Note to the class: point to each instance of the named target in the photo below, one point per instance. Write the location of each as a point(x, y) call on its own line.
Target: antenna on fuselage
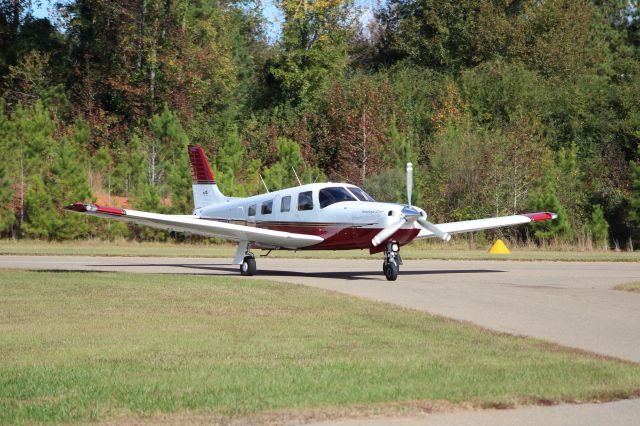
point(297, 178)
point(262, 180)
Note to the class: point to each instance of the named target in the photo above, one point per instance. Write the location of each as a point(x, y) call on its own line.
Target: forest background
point(503, 106)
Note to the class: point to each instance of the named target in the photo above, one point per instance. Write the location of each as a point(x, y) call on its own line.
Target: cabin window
point(267, 207)
point(360, 194)
point(285, 204)
point(252, 210)
point(305, 201)
point(334, 195)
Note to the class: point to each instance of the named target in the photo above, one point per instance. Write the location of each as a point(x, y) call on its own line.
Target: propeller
point(433, 228)
point(387, 232)
point(409, 214)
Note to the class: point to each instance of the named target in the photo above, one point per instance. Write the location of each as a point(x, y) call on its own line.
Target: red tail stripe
point(200, 170)
point(539, 216)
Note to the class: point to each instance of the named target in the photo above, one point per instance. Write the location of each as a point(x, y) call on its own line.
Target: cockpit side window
point(305, 200)
point(252, 210)
point(334, 195)
point(360, 194)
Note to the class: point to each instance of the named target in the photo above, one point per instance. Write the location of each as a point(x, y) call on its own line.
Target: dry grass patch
point(458, 250)
point(633, 287)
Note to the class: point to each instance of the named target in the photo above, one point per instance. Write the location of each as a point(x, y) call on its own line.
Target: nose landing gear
point(392, 261)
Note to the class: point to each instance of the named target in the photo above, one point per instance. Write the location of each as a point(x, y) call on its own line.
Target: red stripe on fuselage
point(343, 237)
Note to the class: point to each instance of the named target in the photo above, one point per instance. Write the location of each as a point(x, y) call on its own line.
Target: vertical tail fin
point(205, 190)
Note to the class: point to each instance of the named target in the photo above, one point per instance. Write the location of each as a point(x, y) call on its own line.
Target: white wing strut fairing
point(481, 224)
point(199, 226)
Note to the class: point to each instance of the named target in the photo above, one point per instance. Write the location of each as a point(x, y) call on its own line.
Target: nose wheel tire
point(391, 271)
point(248, 266)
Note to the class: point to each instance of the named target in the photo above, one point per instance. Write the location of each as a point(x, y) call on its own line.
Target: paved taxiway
point(568, 303)
point(620, 413)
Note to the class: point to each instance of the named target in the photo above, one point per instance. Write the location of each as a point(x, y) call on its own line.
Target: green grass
point(80, 347)
point(633, 287)
point(417, 250)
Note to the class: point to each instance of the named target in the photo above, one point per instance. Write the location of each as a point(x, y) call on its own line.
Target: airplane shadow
point(226, 270)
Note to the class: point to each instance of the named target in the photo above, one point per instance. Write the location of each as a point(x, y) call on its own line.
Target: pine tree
point(69, 184)
point(34, 127)
point(634, 203)
point(40, 212)
point(599, 227)
point(7, 215)
point(280, 175)
point(544, 198)
point(172, 177)
point(7, 137)
point(229, 163)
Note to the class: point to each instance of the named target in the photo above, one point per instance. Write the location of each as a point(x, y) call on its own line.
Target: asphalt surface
point(620, 413)
point(570, 303)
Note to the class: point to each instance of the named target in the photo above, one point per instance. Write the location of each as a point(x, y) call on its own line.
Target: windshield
point(360, 194)
point(334, 195)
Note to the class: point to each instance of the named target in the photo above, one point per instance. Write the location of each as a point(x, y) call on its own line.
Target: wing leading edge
point(489, 223)
point(199, 226)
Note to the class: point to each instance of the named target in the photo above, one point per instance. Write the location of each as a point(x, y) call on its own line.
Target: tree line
point(503, 106)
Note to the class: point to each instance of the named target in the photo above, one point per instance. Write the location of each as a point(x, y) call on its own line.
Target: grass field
point(80, 347)
point(633, 287)
point(417, 250)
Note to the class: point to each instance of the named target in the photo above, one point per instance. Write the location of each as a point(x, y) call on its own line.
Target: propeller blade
point(387, 232)
point(436, 231)
point(409, 181)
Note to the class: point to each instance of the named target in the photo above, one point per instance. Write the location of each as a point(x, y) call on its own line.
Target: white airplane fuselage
point(344, 225)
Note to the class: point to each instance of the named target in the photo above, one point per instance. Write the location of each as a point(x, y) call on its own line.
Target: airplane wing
point(489, 223)
point(200, 226)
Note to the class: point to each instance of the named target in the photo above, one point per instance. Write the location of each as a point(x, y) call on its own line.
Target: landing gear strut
point(392, 261)
point(248, 265)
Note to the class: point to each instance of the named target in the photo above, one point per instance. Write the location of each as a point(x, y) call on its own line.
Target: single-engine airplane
point(318, 216)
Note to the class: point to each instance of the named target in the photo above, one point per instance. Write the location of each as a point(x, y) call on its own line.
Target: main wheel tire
point(248, 266)
point(391, 271)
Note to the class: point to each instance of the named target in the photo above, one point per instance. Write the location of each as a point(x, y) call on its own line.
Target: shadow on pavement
point(226, 270)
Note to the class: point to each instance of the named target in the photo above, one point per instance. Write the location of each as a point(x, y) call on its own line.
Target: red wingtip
point(535, 217)
point(94, 208)
point(76, 207)
point(200, 170)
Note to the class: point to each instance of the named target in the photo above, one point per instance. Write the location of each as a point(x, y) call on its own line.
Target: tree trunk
point(165, 20)
point(153, 164)
point(21, 188)
point(140, 41)
point(16, 16)
point(364, 144)
point(153, 57)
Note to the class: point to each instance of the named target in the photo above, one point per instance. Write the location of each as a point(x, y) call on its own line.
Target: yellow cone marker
point(499, 248)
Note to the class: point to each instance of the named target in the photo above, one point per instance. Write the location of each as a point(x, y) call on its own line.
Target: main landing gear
point(245, 259)
point(392, 261)
point(248, 265)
